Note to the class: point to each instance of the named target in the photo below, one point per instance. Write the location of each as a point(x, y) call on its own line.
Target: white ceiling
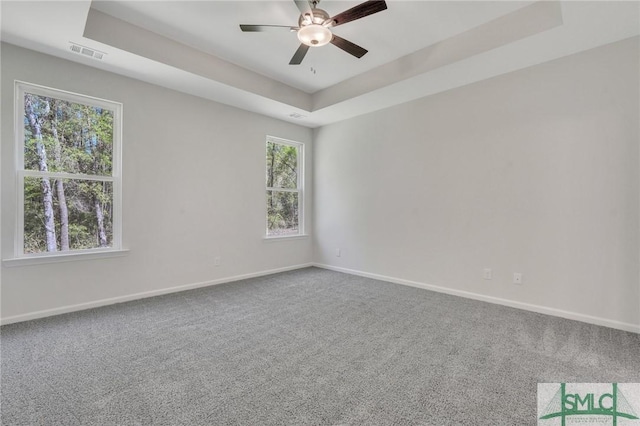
point(416, 48)
point(406, 26)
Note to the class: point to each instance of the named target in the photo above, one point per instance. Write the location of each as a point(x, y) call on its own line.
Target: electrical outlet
point(216, 261)
point(338, 253)
point(517, 278)
point(487, 274)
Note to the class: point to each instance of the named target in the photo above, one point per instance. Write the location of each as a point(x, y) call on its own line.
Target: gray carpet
point(307, 347)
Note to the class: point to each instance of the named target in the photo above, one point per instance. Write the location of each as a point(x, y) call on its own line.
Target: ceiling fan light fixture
point(314, 35)
point(314, 25)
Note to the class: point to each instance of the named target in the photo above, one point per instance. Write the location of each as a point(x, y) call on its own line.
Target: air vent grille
point(86, 51)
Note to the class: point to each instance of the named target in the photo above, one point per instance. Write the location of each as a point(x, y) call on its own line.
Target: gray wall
point(534, 171)
point(193, 189)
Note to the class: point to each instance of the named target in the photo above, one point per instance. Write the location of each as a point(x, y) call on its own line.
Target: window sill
point(58, 258)
point(285, 238)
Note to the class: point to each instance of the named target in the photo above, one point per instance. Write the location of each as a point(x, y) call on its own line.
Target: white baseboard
point(634, 328)
point(469, 295)
point(120, 299)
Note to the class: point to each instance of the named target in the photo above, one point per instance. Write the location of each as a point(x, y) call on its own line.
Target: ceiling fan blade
point(299, 55)
point(348, 47)
point(360, 11)
point(265, 28)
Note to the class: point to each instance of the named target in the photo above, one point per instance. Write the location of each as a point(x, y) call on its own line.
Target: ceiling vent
point(296, 115)
point(86, 51)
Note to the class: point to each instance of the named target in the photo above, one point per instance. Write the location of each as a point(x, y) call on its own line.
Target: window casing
point(284, 188)
point(68, 172)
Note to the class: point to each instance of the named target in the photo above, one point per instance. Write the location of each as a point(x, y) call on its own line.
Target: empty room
point(292, 212)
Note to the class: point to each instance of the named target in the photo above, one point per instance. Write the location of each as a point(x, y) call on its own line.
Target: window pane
point(282, 166)
point(62, 136)
point(282, 213)
point(67, 214)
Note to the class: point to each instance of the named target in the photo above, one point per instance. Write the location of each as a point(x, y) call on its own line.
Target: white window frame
point(299, 189)
point(21, 88)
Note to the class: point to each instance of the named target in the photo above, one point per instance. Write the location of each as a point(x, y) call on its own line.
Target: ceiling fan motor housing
point(313, 28)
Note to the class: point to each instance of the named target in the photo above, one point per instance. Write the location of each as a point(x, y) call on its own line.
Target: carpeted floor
point(307, 347)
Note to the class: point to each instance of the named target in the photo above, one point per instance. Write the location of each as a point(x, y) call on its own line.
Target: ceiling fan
point(314, 27)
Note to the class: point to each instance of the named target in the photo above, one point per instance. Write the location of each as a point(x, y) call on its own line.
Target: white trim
point(634, 328)
point(18, 134)
point(79, 98)
point(63, 256)
point(282, 141)
point(22, 87)
point(143, 295)
point(300, 182)
point(69, 176)
point(301, 187)
point(18, 249)
point(274, 238)
point(469, 295)
point(297, 191)
point(116, 171)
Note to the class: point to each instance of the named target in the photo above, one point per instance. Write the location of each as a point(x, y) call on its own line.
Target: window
point(284, 188)
point(68, 172)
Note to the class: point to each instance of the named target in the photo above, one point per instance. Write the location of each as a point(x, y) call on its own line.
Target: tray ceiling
point(416, 48)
